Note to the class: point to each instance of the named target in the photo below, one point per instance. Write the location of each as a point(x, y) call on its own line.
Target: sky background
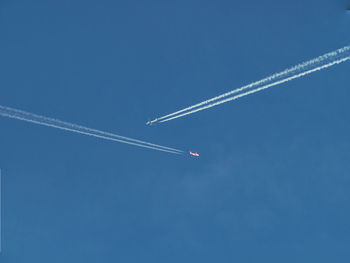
point(272, 183)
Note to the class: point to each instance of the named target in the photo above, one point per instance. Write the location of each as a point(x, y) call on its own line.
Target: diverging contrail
point(255, 90)
point(54, 123)
point(319, 63)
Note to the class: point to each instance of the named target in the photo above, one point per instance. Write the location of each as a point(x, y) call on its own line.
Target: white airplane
point(151, 122)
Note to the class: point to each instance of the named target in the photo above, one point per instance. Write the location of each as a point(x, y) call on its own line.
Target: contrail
point(54, 123)
point(321, 62)
point(256, 90)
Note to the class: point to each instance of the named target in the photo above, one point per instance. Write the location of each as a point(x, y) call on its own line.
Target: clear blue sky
point(272, 183)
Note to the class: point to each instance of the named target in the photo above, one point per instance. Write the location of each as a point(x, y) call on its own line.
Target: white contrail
point(258, 89)
point(297, 71)
point(37, 119)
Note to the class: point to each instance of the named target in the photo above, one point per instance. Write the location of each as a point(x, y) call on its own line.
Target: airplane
point(151, 122)
point(194, 154)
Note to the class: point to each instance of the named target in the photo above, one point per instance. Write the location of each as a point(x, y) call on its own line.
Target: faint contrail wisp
point(54, 123)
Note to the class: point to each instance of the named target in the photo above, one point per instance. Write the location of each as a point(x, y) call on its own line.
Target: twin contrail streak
point(54, 123)
point(255, 90)
point(319, 63)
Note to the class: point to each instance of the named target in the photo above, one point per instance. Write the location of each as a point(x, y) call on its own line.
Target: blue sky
point(272, 181)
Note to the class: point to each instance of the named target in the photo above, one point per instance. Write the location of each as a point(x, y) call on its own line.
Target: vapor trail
point(305, 68)
point(54, 123)
point(257, 89)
